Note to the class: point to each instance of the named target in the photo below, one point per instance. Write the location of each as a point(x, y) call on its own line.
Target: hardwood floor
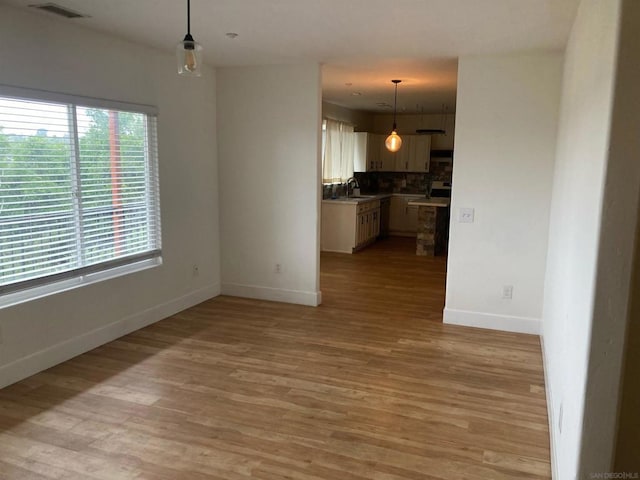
point(371, 385)
point(386, 277)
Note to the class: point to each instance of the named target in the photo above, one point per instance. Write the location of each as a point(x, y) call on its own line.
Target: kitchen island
point(433, 225)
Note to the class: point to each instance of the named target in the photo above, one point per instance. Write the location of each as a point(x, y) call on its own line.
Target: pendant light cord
point(188, 17)
point(395, 105)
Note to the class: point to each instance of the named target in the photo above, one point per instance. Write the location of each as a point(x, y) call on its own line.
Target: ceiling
point(363, 44)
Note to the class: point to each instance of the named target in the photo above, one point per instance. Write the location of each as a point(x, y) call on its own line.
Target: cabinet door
point(361, 229)
point(421, 153)
point(387, 158)
point(360, 152)
point(375, 217)
point(403, 156)
point(373, 152)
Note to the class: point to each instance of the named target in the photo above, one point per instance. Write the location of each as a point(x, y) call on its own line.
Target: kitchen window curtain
point(337, 159)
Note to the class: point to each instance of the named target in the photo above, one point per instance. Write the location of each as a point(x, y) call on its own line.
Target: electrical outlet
point(278, 268)
point(466, 215)
point(196, 271)
point(507, 292)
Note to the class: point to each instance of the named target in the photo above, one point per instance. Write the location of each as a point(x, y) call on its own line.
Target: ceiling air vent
point(58, 10)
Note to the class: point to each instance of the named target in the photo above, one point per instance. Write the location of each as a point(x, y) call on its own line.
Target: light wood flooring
point(371, 385)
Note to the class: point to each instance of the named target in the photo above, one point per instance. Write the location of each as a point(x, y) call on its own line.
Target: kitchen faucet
point(350, 181)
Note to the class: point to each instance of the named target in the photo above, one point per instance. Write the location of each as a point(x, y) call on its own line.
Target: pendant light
point(393, 141)
point(188, 52)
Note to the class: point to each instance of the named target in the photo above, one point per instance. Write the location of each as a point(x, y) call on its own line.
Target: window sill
point(35, 293)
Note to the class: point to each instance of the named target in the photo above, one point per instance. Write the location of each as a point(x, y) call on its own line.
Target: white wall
point(269, 122)
point(615, 252)
point(362, 121)
point(50, 54)
point(592, 230)
point(506, 124)
point(575, 222)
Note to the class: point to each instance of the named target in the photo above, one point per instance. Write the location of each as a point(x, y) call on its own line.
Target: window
point(338, 150)
point(78, 187)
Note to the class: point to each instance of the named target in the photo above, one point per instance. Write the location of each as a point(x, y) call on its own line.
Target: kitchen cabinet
point(368, 227)
point(403, 218)
point(387, 158)
point(375, 162)
point(403, 162)
point(366, 152)
point(349, 226)
point(420, 154)
point(371, 155)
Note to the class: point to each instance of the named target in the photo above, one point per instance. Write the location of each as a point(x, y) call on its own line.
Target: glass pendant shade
point(393, 142)
point(189, 55)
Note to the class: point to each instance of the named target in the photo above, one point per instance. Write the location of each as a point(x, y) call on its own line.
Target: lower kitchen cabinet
point(347, 227)
point(403, 218)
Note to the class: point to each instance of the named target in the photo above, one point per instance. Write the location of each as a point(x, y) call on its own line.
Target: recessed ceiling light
point(356, 94)
point(231, 35)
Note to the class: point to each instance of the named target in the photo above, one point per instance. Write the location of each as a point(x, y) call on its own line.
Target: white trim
point(299, 297)
point(61, 352)
point(492, 321)
point(550, 413)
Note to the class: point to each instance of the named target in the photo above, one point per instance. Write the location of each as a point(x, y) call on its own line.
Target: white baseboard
point(299, 297)
point(492, 321)
point(551, 414)
point(61, 352)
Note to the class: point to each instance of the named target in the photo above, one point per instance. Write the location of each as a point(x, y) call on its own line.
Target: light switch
point(466, 215)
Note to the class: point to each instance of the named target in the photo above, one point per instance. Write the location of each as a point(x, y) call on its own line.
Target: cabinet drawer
point(368, 206)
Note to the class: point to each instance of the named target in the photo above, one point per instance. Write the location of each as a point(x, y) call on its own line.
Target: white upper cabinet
point(403, 156)
point(371, 155)
point(361, 152)
point(387, 158)
point(420, 153)
point(366, 156)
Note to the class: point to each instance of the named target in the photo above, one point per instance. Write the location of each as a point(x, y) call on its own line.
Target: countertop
point(430, 202)
point(370, 198)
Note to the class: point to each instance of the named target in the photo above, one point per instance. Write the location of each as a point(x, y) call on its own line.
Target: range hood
point(430, 131)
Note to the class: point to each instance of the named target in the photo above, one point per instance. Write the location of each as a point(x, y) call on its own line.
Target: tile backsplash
point(393, 182)
point(441, 169)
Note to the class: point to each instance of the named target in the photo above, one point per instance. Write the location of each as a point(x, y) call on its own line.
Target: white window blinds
point(78, 190)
